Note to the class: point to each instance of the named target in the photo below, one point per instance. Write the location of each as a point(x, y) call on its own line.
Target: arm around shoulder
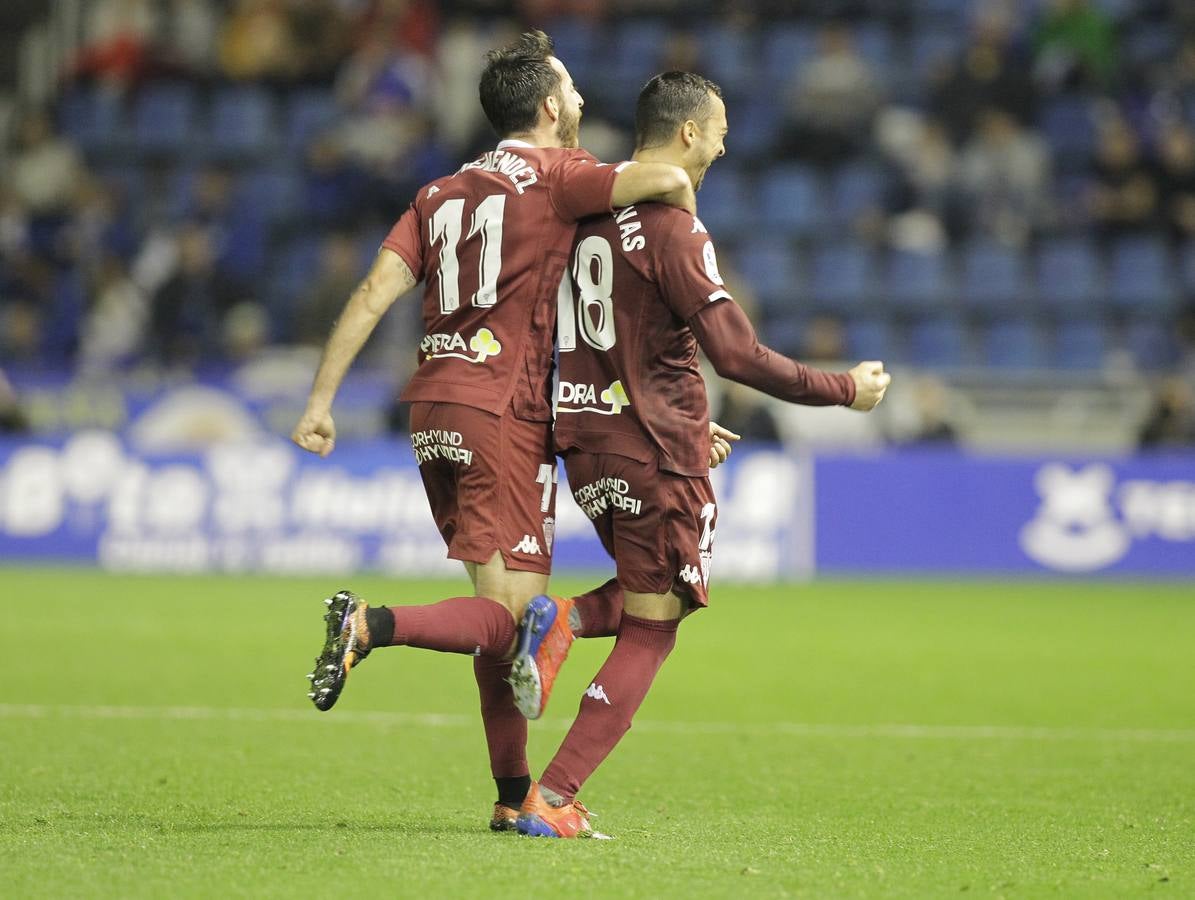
point(660, 182)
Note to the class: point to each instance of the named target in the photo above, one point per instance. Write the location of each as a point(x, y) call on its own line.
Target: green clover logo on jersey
point(616, 396)
point(484, 344)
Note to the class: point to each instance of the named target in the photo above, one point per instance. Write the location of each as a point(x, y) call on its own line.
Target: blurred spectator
point(1171, 421)
point(20, 332)
point(931, 407)
point(187, 310)
point(114, 328)
point(922, 197)
point(321, 38)
point(1075, 44)
point(190, 36)
point(334, 188)
point(1004, 173)
point(1176, 159)
point(988, 74)
point(745, 412)
point(256, 42)
point(339, 272)
point(833, 99)
point(460, 58)
point(12, 417)
point(245, 331)
point(1124, 193)
point(119, 37)
point(44, 172)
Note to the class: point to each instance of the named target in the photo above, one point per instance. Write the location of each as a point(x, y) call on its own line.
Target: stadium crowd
point(1007, 183)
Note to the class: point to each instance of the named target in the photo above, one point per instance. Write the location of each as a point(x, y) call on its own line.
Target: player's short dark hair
point(668, 101)
point(516, 80)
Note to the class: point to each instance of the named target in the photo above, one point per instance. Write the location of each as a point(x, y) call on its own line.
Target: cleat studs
point(328, 602)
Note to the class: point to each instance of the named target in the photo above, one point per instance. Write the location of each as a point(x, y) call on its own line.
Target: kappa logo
point(691, 574)
point(596, 692)
point(482, 345)
point(529, 544)
point(549, 532)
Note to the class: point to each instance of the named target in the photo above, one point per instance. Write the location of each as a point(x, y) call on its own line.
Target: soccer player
point(631, 422)
point(491, 241)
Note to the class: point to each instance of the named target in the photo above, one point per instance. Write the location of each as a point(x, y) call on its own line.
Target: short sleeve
point(406, 239)
point(687, 269)
point(580, 186)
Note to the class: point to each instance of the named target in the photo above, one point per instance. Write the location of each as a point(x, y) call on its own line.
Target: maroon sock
point(610, 702)
point(600, 611)
point(474, 625)
point(505, 726)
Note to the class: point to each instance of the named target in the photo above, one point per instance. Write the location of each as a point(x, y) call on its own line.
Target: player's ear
point(688, 132)
point(552, 107)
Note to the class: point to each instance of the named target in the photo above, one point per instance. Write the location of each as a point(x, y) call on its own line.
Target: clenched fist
point(315, 433)
point(871, 381)
point(720, 439)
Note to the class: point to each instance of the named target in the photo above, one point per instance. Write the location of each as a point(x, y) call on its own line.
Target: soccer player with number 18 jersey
point(632, 421)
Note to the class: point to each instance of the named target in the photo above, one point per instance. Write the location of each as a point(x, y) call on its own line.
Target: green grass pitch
point(838, 739)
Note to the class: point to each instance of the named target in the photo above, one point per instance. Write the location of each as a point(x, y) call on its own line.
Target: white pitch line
point(454, 720)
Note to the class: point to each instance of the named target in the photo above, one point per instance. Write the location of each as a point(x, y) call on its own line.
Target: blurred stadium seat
point(1069, 276)
point(791, 200)
point(242, 122)
point(842, 276)
point(1140, 276)
point(166, 119)
point(1080, 345)
point(939, 342)
point(993, 277)
point(1014, 344)
point(916, 281)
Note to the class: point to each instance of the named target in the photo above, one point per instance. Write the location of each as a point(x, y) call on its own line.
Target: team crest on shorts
point(549, 532)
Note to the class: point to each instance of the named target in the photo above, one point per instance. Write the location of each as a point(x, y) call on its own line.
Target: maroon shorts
point(490, 481)
point(659, 527)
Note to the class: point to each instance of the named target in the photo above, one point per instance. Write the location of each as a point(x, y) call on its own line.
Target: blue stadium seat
point(242, 122)
point(773, 270)
point(933, 48)
point(993, 277)
point(1140, 277)
point(292, 272)
point(854, 189)
point(938, 342)
point(274, 192)
point(791, 200)
point(1152, 344)
point(874, 43)
point(1014, 344)
point(633, 56)
point(753, 126)
point(727, 56)
point(576, 43)
point(309, 113)
point(165, 119)
point(1081, 345)
point(1186, 267)
point(94, 118)
point(786, 48)
point(724, 203)
point(842, 276)
point(1069, 128)
point(1069, 276)
point(1150, 43)
point(917, 281)
point(869, 337)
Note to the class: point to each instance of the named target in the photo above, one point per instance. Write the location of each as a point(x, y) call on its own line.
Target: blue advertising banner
point(948, 512)
point(265, 506)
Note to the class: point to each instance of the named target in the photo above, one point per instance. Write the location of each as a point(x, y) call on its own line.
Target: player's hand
point(316, 432)
point(720, 439)
point(871, 381)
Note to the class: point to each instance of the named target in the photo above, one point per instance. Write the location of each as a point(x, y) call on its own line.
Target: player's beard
point(568, 128)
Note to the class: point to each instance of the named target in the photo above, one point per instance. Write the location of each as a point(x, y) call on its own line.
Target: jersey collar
point(509, 142)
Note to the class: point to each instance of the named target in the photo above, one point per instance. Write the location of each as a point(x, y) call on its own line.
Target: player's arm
point(662, 182)
point(729, 341)
point(389, 278)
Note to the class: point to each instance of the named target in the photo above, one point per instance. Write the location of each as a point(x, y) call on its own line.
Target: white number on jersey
point(595, 306)
point(446, 226)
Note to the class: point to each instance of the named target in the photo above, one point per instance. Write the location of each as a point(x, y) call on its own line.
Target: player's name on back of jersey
point(518, 170)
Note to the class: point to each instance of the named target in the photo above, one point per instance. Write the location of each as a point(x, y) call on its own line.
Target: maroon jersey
point(645, 289)
point(491, 242)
